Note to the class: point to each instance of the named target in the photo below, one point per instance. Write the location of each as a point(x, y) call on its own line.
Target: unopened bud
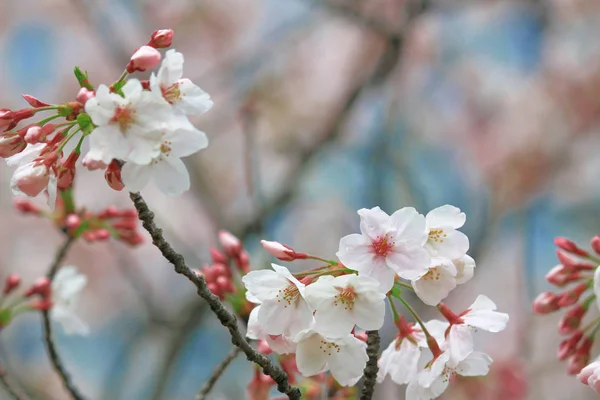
point(581, 357)
point(560, 276)
point(570, 246)
point(11, 283)
point(31, 180)
point(6, 117)
point(595, 244)
point(217, 256)
point(92, 164)
point(546, 303)
point(572, 296)
point(230, 243)
point(161, 38)
point(361, 336)
point(11, 145)
point(33, 102)
point(41, 287)
point(89, 236)
point(112, 175)
point(102, 234)
point(84, 95)
point(144, 58)
point(568, 346)
point(72, 221)
point(214, 288)
point(281, 251)
point(243, 261)
point(571, 321)
point(221, 270)
point(225, 284)
point(26, 206)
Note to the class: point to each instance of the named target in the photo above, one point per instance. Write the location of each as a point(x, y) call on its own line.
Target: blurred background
point(322, 107)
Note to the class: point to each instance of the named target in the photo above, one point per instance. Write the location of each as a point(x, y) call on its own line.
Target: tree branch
point(8, 388)
point(216, 374)
point(226, 318)
point(48, 334)
point(370, 373)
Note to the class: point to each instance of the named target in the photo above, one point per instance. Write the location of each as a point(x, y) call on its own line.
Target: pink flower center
point(124, 117)
point(382, 246)
point(345, 298)
point(288, 295)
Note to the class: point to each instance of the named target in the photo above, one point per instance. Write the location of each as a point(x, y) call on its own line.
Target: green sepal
point(82, 78)
point(396, 292)
point(85, 123)
point(5, 317)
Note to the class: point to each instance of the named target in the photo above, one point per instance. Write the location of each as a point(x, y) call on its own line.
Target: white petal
point(401, 364)
point(409, 261)
point(454, 245)
point(465, 267)
point(71, 323)
point(171, 69)
point(373, 222)
point(132, 88)
point(437, 329)
point(369, 311)
point(597, 286)
point(446, 216)
point(435, 370)
point(264, 284)
point(348, 364)
point(187, 141)
point(355, 251)
point(310, 359)
point(254, 330)
point(435, 286)
point(52, 190)
point(476, 364)
point(379, 271)
point(408, 226)
point(195, 101)
point(322, 290)
point(482, 315)
point(135, 177)
point(171, 176)
point(30, 153)
point(114, 143)
point(101, 107)
point(460, 341)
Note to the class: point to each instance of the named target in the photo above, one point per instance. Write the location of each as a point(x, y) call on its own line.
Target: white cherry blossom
point(345, 301)
point(181, 93)
point(344, 357)
point(465, 269)
point(283, 307)
point(129, 127)
point(386, 246)
point(280, 344)
point(437, 283)
point(434, 379)
point(444, 240)
point(400, 360)
point(167, 170)
point(590, 375)
point(66, 288)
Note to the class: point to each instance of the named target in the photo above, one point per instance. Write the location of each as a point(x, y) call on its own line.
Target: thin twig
point(370, 373)
point(48, 334)
point(226, 318)
point(216, 374)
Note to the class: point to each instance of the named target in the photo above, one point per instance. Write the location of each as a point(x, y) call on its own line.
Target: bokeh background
point(322, 107)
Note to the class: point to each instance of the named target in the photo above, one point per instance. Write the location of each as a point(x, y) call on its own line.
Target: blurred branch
point(226, 318)
point(370, 374)
point(8, 388)
point(48, 334)
point(216, 374)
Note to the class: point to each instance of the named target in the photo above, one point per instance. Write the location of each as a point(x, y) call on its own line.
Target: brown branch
point(226, 318)
point(370, 373)
point(216, 374)
point(48, 333)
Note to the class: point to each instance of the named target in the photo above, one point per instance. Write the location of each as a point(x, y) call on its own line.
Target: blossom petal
point(194, 101)
point(135, 177)
point(476, 364)
point(355, 251)
point(465, 267)
point(435, 286)
point(460, 342)
point(482, 315)
point(348, 364)
point(408, 226)
point(310, 359)
point(454, 245)
point(171, 176)
point(373, 222)
point(446, 216)
point(409, 262)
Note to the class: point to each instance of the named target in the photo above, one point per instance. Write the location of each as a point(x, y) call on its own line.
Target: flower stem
point(69, 137)
point(404, 285)
point(330, 262)
point(415, 316)
point(50, 118)
point(393, 307)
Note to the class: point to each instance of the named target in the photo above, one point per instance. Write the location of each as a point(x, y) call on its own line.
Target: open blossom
point(465, 269)
point(345, 301)
point(437, 283)
point(129, 127)
point(181, 93)
point(345, 357)
point(66, 288)
point(444, 240)
point(167, 170)
point(280, 344)
point(400, 359)
point(590, 375)
point(482, 315)
point(434, 379)
point(387, 245)
point(281, 296)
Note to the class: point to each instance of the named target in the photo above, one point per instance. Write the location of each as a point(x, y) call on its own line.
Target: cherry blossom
point(128, 127)
point(434, 379)
point(345, 301)
point(465, 269)
point(32, 176)
point(181, 93)
point(437, 283)
point(283, 306)
point(400, 360)
point(444, 240)
point(344, 357)
point(167, 170)
point(386, 246)
point(66, 288)
point(590, 375)
point(280, 344)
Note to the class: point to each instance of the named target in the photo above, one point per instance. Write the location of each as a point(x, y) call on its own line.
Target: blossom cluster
point(578, 270)
point(316, 314)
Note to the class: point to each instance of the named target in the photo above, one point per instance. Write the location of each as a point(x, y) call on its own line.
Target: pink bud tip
point(280, 251)
point(570, 246)
point(11, 283)
point(33, 102)
point(6, 117)
point(230, 243)
point(144, 58)
point(41, 286)
point(84, 95)
point(25, 206)
point(11, 145)
point(162, 38)
point(33, 134)
point(217, 256)
point(220, 270)
point(102, 234)
point(361, 336)
point(225, 284)
point(595, 243)
point(546, 303)
point(72, 221)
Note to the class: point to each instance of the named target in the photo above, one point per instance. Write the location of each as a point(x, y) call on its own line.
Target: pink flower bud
point(12, 282)
point(225, 284)
point(41, 286)
point(33, 102)
point(259, 387)
point(33, 135)
point(25, 206)
point(162, 38)
point(209, 274)
point(595, 243)
point(6, 117)
point(570, 246)
point(41, 305)
point(30, 179)
point(581, 357)
point(92, 164)
point(102, 234)
point(243, 261)
point(144, 58)
point(214, 288)
point(89, 236)
point(361, 336)
point(112, 175)
point(560, 276)
point(84, 95)
point(571, 297)
point(217, 256)
point(221, 270)
point(9, 146)
point(546, 303)
point(568, 346)
point(72, 221)
point(280, 251)
point(591, 370)
point(571, 321)
point(230, 243)
point(23, 114)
